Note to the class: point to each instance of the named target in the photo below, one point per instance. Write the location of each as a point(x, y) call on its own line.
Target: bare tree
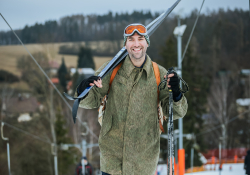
point(6, 94)
point(221, 102)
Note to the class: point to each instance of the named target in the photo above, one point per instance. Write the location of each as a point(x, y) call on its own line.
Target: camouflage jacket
point(129, 140)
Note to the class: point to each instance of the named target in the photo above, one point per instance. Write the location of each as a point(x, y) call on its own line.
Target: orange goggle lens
point(130, 29)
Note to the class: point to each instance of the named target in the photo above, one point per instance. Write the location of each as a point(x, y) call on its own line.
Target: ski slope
point(237, 169)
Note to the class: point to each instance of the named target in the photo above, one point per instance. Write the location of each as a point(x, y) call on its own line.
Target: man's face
point(136, 46)
point(85, 162)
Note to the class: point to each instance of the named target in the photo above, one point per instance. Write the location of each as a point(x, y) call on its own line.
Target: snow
point(162, 169)
point(237, 169)
point(243, 101)
point(25, 117)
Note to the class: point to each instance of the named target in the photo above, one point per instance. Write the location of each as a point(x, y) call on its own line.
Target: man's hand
point(173, 82)
point(91, 81)
point(98, 83)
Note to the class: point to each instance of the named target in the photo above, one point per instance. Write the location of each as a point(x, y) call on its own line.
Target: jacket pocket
point(106, 124)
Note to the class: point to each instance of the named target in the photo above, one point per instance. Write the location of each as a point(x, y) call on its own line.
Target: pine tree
point(85, 58)
point(75, 81)
point(62, 75)
point(66, 157)
point(169, 54)
point(196, 97)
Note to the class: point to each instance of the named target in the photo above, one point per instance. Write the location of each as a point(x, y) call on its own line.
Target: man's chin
point(137, 57)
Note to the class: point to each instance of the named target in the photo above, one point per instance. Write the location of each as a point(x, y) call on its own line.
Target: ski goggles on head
point(132, 28)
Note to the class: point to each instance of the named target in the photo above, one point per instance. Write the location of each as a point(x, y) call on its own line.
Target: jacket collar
point(128, 66)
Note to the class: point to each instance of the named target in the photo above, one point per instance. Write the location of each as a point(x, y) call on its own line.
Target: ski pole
point(162, 86)
point(170, 129)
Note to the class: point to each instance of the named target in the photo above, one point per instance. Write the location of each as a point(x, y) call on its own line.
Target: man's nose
point(137, 43)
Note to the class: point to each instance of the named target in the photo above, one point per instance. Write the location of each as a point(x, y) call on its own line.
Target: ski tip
point(74, 113)
point(74, 119)
point(74, 109)
point(68, 96)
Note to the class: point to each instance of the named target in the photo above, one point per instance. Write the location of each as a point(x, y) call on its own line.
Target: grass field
point(10, 54)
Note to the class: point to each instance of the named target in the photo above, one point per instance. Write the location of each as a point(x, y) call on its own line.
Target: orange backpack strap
point(158, 80)
point(113, 74)
point(157, 76)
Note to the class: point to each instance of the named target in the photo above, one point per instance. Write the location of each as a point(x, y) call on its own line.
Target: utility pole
point(180, 122)
point(220, 154)
point(84, 151)
point(8, 146)
point(52, 127)
point(192, 158)
point(176, 133)
point(178, 32)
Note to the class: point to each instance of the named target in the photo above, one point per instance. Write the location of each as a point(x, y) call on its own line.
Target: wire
point(91, 132)
point(43, 71)
point(27, 133)
point(189, 39)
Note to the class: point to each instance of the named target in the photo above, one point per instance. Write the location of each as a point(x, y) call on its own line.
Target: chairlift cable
point(189, 39)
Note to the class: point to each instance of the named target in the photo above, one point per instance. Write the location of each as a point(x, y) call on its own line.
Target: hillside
point(10, 54)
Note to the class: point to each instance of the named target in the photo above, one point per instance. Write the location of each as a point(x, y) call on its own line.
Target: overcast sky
point(27, 12)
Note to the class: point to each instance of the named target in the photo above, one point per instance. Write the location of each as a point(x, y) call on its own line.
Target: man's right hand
point(91, 81)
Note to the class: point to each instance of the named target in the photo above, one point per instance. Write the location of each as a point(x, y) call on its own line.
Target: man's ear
point(125, 47)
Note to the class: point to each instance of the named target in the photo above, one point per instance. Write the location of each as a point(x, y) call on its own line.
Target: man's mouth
point(136, 50)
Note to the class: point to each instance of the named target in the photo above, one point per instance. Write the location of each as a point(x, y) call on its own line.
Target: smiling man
point(129, 140)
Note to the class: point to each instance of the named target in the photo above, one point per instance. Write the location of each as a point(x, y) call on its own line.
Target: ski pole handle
point(170, 71)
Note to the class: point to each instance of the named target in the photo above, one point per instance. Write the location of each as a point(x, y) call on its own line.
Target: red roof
point(55, 80)
point(69, 85)
point(54, 64)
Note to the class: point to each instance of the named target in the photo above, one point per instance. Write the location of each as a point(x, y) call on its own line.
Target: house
point(53, 67)
point(87, 72)
point(23, 105)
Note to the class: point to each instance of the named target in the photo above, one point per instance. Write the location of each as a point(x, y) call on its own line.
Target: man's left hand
point(173, 82)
